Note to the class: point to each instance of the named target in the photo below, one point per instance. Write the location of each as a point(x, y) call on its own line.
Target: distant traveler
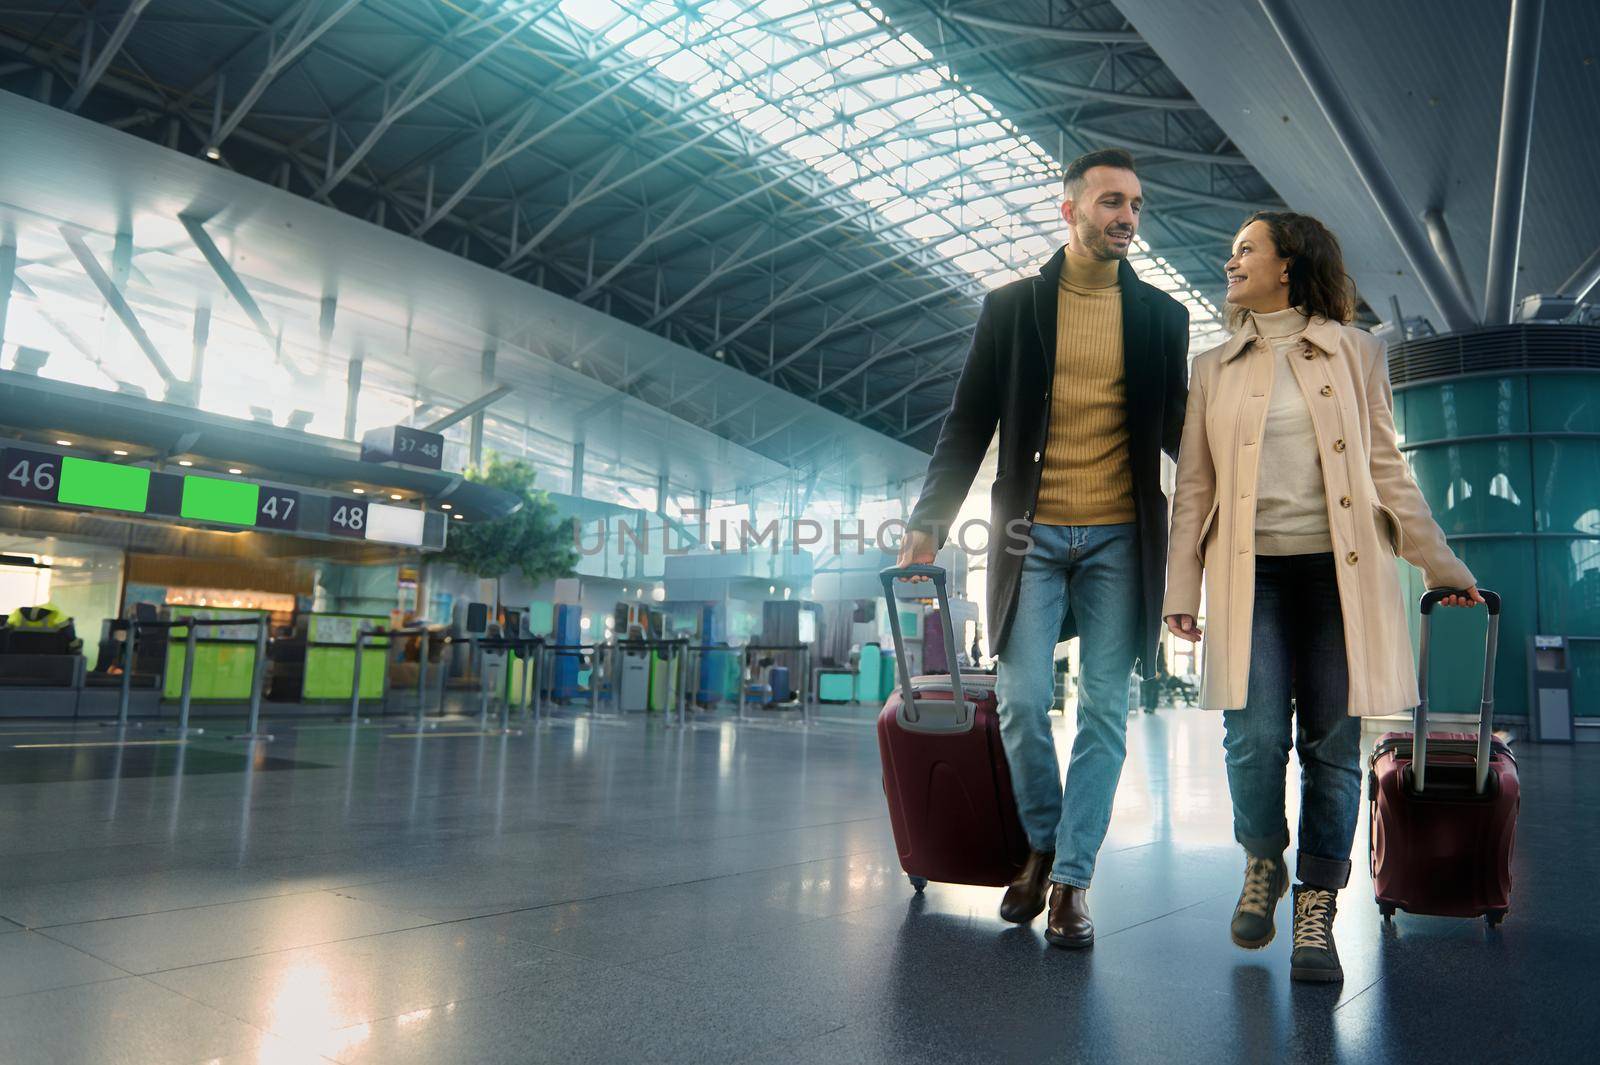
point(1082, 367)
point(1292, 500)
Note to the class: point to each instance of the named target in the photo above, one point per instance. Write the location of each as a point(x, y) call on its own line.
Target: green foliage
point(534, 540)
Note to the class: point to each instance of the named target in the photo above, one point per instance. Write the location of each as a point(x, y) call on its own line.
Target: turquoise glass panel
point(1565, 403)
point(1479, 487)
point(1583, 656)
point(1476, 406)
point(1455, 677)
point(1566, 477)
point(1569, 586)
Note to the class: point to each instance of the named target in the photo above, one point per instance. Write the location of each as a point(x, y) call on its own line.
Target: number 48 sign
point(347, 517)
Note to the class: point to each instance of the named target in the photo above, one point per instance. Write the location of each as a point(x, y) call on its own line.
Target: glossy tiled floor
point(624, 893)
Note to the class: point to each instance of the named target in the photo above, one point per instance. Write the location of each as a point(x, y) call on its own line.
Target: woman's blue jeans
point(1095, 568)
point(1298, 675)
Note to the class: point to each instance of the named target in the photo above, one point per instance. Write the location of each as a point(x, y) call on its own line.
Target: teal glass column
point(1510, 464)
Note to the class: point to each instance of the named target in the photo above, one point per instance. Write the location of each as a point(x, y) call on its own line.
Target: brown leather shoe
point(1069, 924)
point(1025, 897)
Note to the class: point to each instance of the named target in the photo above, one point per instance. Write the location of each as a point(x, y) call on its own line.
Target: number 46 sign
point(30, 475)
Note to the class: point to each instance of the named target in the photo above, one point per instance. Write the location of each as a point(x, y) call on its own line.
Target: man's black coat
point(1007, 379)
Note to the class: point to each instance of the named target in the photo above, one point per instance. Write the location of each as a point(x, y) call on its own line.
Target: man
point(1084, 369)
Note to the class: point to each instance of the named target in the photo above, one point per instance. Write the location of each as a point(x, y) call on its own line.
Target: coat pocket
point(1386, 517)
point(1205, 530)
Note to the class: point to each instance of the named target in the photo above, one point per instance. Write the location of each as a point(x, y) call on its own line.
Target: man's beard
point(1095, 241)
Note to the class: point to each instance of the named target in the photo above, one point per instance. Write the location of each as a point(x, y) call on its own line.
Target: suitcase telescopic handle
point(902, 664)
point(1491, 641)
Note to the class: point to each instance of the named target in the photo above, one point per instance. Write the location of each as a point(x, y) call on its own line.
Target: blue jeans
point(1298, 671)
point(1095, 568)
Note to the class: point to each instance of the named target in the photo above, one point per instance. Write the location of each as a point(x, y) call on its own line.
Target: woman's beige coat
point(1375, 509)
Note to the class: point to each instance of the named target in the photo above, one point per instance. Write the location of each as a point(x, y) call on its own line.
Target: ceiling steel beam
point(1583, 279)
point(467, 410)
point(1369, 165)
point(1445, 247)
point(1038, 32)
point(118, 303)
point(1109, 96)
point(414, 96)
point(1511, 166)
point(107, 53)
point(301, 36)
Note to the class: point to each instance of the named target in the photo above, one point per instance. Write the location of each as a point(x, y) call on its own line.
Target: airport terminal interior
point(450, 456)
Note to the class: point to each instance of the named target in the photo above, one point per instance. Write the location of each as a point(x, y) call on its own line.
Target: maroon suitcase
point(944, 769)
point(1444, 805)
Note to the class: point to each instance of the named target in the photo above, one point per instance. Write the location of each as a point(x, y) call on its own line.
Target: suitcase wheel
point(1494, 917)
point(918, 882)
point(1387, 910)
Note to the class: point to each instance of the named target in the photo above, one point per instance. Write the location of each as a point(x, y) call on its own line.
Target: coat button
point(1036, 456)
point(1344, 501)
point(1352, 558)
point(1311, 354)
point(1338, 445)
point(1327, 390)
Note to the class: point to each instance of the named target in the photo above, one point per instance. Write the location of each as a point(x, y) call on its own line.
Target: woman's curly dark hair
point(1318, 284)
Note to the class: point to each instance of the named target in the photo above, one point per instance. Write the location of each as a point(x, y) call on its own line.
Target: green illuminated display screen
point(213, 499)
point(87, 483)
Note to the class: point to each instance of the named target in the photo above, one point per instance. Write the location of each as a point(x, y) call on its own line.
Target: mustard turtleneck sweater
point(1087, 478)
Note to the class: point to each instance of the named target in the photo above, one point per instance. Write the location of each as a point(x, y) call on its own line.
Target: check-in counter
point(331, 655)
point(224, 658)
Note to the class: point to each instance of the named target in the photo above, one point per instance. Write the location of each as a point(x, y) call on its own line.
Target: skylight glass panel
point(833, 85)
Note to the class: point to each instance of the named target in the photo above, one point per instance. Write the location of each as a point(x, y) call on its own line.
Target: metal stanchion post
point(744, 662)
point(422, 680)
point(683, 682)
point(258, 677)
point(125, 695)
point(805, 688)
point(528, 662)
point(594, 679)
point(505, 728)
point(190, 642)
point(355, 675)
point(538, 682)
point(478, 655)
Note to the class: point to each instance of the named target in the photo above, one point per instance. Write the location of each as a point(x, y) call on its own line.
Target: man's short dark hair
point(1072, 183)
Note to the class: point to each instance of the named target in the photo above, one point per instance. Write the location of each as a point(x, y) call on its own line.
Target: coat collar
point(1050, 276)
point(1047, 295)
point(1323, 335)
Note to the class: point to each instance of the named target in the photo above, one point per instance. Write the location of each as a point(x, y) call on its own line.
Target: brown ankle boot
point(1024, 899)
point(1069, 925)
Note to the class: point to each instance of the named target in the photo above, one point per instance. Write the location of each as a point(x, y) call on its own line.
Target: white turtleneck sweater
point(1291, 505)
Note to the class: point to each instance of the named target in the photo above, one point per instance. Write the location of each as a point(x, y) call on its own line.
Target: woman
point(1292, 501)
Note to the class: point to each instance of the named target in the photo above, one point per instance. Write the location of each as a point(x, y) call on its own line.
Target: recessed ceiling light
point(359, 491)
point(445, 506)
point(396, 496)
point(185, 462)
point(119, 451)
point(234, 469)
point(213, 152)
point(63, 443)
point(456, 516)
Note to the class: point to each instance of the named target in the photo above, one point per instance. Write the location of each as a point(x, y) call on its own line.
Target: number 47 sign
point(278, 508)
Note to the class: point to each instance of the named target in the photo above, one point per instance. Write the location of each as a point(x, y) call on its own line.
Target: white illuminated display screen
point(394, 525)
